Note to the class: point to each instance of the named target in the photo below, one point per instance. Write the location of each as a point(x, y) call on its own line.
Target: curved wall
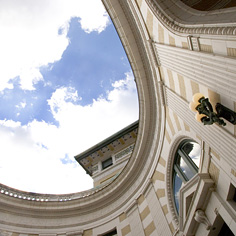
point(59, 217)
point(210, 5)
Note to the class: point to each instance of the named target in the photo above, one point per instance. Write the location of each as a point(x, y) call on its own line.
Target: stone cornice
point(179, 25)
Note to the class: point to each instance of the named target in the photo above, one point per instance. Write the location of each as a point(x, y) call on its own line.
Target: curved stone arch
point(99, 207)
point(209, 5)
point(183, 20)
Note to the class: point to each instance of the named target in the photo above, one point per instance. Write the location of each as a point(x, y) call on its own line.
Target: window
point(112, 233)
point(186, 164)
point(225, 231)
point(220, 228)
point(108, 162)
point(232, 193)
point(231, 198)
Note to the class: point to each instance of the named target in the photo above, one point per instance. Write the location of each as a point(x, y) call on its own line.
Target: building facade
point(181, 176)
point(105, 160)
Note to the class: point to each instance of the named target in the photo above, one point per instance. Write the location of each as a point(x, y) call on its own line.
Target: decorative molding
point(213, 71)
point(169, 171)
point(37, 197)
point(206, 158)
point(194, 195)
point(75, 233)
point(201, 218)
point(47, 234)
point(124, 152)
point(173, 25)
point(193, 43)
point(148, 187)
point(161, 89)
point(132, 207)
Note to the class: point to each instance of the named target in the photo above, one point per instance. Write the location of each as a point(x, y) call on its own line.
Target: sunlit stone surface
point(175, 51)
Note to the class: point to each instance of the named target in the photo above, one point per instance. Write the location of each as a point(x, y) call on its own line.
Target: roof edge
point(107, 141)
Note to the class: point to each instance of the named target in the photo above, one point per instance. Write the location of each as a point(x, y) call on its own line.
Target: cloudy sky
point(65, 84)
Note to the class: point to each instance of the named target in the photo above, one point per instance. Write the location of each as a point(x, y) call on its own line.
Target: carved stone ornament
point(201, 217)
point(173, 25)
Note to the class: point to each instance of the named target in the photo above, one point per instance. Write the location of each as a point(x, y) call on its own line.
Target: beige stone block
point(233, 172)
point(162, 74)
point(139, 3)
point(165, 209)
point(171, 80)
point(167, 136)
point(206, 48)
point(149, 22)
point(177, 121)
point(185, 45)
point(160, 34)
point(231, 52)
point(160, 193)
point(172, 227)
point(199, 138)
point(141, 199)
point(162, 162)
point(214, 172)
point(149, 229)
point(125, 230)
point(158, 176)
point(88, 232)
point(122, 217)
point(144, 213)
point(195, 87)
point(169, 121)
point(213, 97)
point(182, 87)
point(187, 128)
point(215, 154)
point(171, 40)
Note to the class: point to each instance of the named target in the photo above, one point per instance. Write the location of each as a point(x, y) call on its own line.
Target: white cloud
point(30, 39)
point(61, 97)
point(31, 155)
point(21, 105)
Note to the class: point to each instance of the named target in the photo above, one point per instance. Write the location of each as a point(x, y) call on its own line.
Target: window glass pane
point(187, 147)
point(177, 185)
point(185, 168)
point(113, 233)
point(195, 153)
point(107, 163)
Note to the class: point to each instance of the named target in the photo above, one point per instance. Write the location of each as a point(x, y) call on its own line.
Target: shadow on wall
point(209, 5)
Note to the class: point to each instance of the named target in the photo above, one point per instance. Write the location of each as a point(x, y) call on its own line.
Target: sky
point(65, 85)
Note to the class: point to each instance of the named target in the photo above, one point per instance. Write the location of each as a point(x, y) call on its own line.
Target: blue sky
point(65, 85)
point(90, 64)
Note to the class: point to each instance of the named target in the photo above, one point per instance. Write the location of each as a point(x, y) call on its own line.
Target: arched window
point(186, 164)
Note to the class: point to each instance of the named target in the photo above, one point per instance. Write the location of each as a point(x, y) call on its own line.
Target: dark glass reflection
point(177, 185)
point(186, 166)
point(195, 153)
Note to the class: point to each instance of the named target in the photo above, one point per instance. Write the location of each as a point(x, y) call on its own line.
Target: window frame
point(105, 165)
point(176, 169)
